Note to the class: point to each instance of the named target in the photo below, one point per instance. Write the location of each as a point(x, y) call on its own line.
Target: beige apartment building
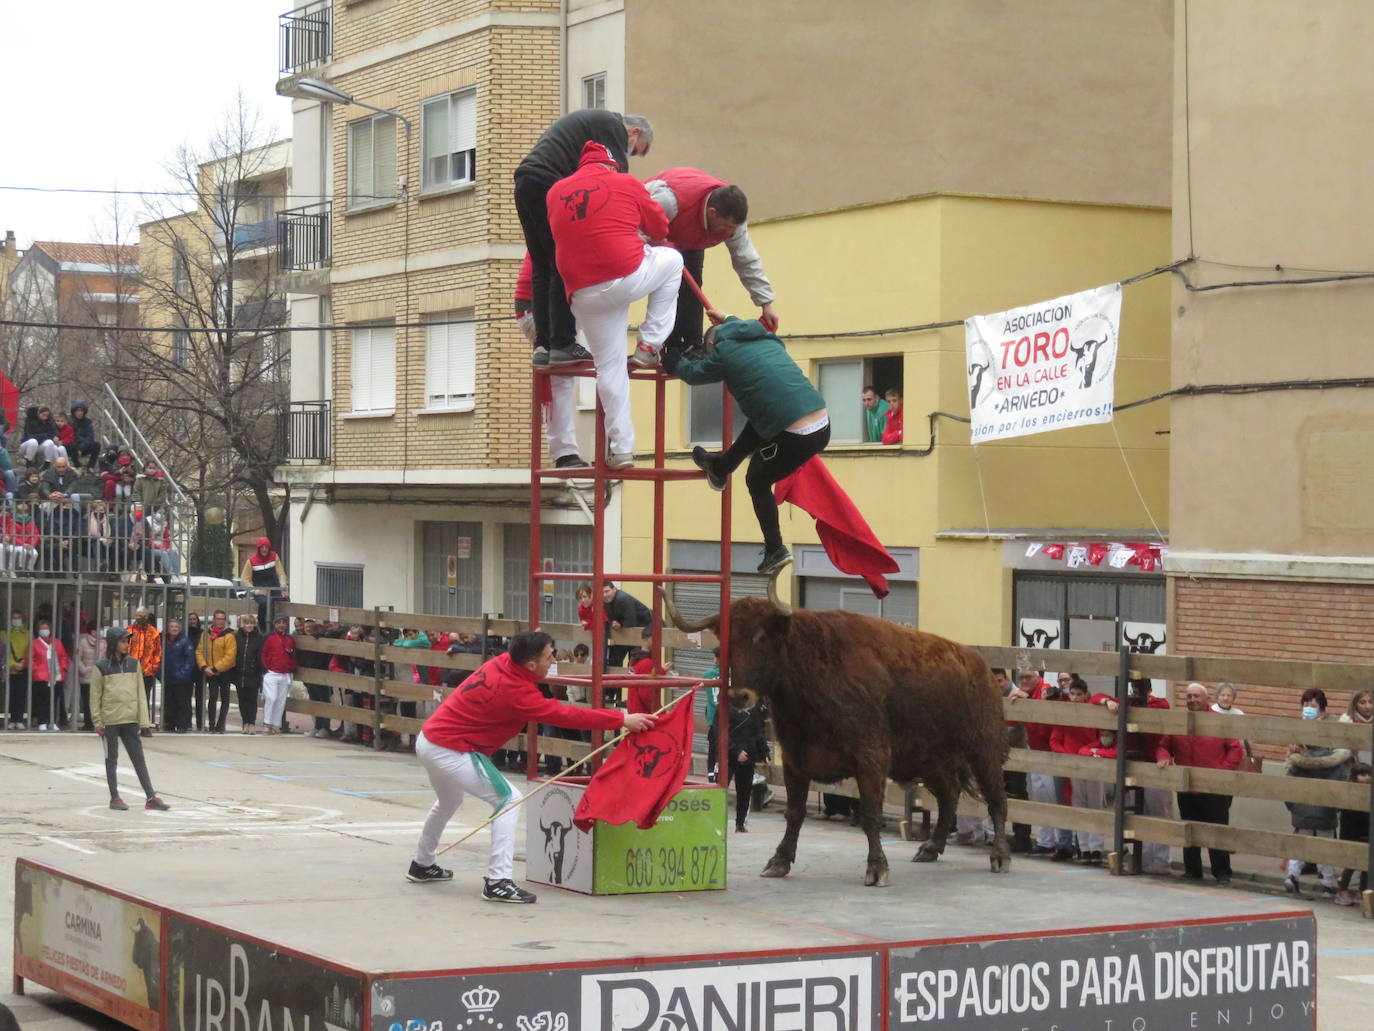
point(1272, 501)
point(410, 422)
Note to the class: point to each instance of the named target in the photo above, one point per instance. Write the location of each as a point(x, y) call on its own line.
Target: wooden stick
point(554, 780)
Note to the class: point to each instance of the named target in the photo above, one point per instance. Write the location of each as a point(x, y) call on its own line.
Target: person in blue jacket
point(179, 674)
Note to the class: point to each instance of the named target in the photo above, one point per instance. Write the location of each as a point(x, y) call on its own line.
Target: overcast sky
point(99, 94)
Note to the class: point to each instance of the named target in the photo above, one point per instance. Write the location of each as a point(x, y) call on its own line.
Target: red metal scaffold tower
point(601, 475)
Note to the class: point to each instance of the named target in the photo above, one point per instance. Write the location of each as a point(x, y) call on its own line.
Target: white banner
point(1045, 366)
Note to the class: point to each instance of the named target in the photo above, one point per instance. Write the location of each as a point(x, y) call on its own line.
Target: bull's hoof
point(776, 868)
point(927, 853)
point(876, 877)
point(1000, 863)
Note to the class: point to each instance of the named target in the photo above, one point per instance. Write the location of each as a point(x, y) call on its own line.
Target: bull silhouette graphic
point(1143, 643)
point(146, 957)
point(1085, 359)
point(647, 758)
point(555, 845)
point(1039, 638)
point(577, 202)
point(977, 370)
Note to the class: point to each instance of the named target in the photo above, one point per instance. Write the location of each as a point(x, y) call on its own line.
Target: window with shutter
point(451, 361)
point(448, 140)
point(374, 368)
point(372, 161)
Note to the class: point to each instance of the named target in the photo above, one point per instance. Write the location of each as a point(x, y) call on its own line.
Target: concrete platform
point(275, 887)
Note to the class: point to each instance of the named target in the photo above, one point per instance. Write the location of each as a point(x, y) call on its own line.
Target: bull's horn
point(675, 617)
point(778, 603)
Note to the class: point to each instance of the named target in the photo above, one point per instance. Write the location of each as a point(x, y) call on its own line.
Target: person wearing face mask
point(21, 539)
point(16, 668)
point(1211, 753)
point(48, 662)
point(1318, 763)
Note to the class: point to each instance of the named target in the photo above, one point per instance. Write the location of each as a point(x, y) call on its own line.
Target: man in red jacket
point(1209, 753)
point(481, 714)
point(601, 218)
point(704, 211)
point(278, 667)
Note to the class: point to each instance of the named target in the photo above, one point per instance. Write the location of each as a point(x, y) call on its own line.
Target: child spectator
point(1354, 826)
point(1086, 793)
point(748, 747)
point(65, 437)
point(21, 539)
point(85, 446)
point(646, 699)
point(30, 488)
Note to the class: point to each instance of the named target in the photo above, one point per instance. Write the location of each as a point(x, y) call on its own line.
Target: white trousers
point(50, 448)
point(453, 774)
point(1154, 855)
point(275, 688)
point(16, 556)
point(1089, 794)
point(1042, 787)
point(603, 314)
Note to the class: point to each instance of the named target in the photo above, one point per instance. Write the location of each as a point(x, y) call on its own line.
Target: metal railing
point(305, 36)
point(303, 238)
point(305, 425)
point(83, 533)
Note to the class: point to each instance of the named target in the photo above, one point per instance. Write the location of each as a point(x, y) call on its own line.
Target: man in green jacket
point(875, 415)
point(119, 707)
point(786, 426)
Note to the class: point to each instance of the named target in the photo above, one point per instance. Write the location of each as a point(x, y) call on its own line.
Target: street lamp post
point(316, 89)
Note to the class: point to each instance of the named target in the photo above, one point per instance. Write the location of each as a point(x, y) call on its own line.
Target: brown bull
point(855, 696)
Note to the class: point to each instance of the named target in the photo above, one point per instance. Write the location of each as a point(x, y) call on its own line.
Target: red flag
point(848, 539)
point(643, 773)
point(1097, 551)
point(1054, 551)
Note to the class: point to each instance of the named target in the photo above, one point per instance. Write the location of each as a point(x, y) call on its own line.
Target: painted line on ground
point(1346, 952)
point(393, 791)
point(1357, 978)
point(68, 844)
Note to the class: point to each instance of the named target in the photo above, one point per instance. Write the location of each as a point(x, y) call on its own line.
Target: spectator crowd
point(75, 504)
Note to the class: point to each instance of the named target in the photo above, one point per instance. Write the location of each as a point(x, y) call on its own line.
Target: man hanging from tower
point(704, 211)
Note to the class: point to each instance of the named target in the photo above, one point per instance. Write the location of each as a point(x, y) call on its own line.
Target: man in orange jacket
point(145, 645)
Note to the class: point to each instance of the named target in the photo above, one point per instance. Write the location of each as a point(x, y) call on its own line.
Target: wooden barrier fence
point(1121, 826)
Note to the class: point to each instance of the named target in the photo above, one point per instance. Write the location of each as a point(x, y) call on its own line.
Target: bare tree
point(208, 374)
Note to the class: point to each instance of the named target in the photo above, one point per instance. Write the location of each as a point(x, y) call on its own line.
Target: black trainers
point(568, 355)
point(570, 462)
point(157, 804)
point(774, 560)
point(506, 890)
point(424, 874)
point(702, 460)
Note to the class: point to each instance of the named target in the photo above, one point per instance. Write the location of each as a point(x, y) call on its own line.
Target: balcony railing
point(306, 427)
point(303, 238)
point(305, 36)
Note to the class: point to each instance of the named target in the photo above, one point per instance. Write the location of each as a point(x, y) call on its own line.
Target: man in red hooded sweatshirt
point(263, 571)
point(481, 715)
point(601, 218)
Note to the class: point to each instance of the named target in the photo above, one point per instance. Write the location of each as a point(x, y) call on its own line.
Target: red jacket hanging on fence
point(496, 702)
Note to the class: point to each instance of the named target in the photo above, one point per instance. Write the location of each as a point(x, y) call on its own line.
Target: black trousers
point(249, 687)
point(554, 324)
point(771, 461)
point(217, 702)
point(1015, 783)
point(198, 689)
point(687, 330)
point(1205, 808)
point(743, 776)
point(128, 733)
point(148, 683)
point(178, 706)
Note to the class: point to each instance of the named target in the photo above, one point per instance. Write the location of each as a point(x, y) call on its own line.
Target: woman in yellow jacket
point(119, 707)
point(217, 655)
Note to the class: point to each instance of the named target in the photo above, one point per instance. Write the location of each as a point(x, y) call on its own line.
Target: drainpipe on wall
point(562, 57)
